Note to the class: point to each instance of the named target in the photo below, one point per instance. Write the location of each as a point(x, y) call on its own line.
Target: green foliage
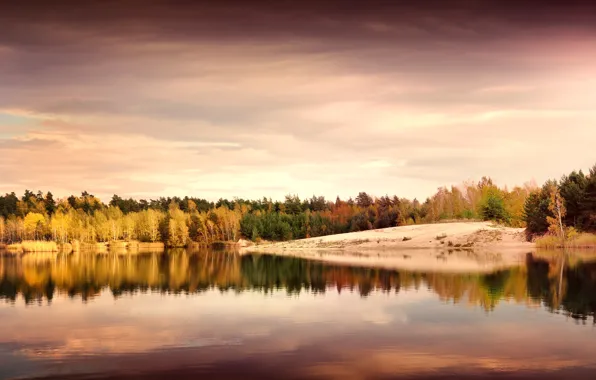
point(578, 193)
point(573, 191)
point(536, 212)
point(493, 207)
point(588, 203)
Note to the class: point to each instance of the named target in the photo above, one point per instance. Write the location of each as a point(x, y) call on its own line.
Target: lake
point(221, 315)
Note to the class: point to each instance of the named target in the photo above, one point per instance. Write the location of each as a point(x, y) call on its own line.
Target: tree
point(59, 225)
point(557, 208)
point(317, 203)
point(573, 192)
point(8, 205)
point(360, 222)
point(50, 204)
point(588, 204)
point(2, 229)
point(493, 207)
point(177, 228)
point(364, 200)
point(154, 219)
point(535, 213)
point(34, 224)
point(292, 205)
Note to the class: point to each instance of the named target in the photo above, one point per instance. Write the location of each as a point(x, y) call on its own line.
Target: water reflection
point(556, 284)
point(219, 315)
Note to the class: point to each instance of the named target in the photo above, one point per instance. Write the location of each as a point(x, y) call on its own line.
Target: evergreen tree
point(50, 204)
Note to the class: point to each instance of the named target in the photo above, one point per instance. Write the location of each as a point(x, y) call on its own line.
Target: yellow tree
point(60, 226)
point(514, 204)
point(102, 226)
point(2, 229)
point(34, 225)
point(129, 223)
point(154, 218)
point(115, 218)
point(178, 235)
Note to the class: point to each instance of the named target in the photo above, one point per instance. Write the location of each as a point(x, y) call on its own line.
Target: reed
point(39, 246)
point(581, 240)
point(14, 248)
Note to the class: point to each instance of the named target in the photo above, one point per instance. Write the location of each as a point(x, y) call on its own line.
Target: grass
point(582, 240)
point(39, 246)
point(15, 247)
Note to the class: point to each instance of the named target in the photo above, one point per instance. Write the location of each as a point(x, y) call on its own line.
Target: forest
point(179, 222)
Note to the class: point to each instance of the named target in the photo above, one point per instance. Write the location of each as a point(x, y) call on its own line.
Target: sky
point(148, 98)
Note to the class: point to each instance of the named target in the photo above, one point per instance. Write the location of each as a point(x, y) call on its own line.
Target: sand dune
point(465, 246)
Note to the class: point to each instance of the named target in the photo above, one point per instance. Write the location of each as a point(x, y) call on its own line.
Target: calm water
point(219, 315)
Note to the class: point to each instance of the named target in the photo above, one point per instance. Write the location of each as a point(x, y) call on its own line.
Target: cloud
point(221, 100)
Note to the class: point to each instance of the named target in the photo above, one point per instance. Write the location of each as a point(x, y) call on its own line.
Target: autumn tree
point(34, 224)
point(177, 228)
point(557, 209)
point(2, 229)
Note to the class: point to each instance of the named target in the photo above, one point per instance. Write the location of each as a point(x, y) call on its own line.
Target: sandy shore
point(462, 247)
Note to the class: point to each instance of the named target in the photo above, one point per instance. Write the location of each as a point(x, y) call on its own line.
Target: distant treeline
point(180, 221)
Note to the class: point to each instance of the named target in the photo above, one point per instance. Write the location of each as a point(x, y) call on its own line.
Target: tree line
point(178, 221)
point(568, 204)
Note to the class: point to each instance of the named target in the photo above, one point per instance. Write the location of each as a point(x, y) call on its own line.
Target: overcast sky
point(255, 99)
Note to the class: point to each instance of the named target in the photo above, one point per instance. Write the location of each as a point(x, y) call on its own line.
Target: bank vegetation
point(37, 221)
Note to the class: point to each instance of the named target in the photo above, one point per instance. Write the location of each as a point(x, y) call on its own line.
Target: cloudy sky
point(252, 99)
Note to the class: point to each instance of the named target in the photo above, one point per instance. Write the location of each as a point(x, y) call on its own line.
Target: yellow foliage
point(34, 223)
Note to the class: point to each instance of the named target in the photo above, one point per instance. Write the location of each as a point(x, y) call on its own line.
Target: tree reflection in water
point(557, 284)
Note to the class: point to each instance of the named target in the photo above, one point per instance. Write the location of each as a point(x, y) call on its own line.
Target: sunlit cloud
point(184, 102)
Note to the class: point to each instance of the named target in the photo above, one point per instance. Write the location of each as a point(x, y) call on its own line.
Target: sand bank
point(466, 246)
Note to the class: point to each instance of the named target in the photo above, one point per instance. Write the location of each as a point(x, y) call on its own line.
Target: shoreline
point(453, 247)
point(462, 235)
